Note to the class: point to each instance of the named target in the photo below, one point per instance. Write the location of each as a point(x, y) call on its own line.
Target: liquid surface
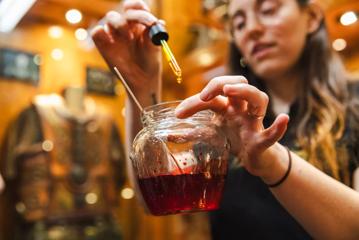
point(169, 194)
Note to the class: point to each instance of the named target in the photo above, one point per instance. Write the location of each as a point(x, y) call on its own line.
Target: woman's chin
point(268, 70)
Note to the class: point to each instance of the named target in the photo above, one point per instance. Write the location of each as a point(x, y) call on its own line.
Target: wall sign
point(100, 81)
point(19, 65)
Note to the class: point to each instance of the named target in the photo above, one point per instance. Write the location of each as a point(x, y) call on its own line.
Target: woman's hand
point(240, 108)
point(124, 43)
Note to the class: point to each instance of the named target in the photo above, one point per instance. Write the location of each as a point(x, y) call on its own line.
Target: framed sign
point(100, 81)
point(19, 65)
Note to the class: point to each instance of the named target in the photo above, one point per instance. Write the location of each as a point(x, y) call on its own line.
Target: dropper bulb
point(158, 33)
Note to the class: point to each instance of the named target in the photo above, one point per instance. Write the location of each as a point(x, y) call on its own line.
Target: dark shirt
point(249, 210)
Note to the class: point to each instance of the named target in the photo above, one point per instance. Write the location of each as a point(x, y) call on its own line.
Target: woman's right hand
point(124, 43)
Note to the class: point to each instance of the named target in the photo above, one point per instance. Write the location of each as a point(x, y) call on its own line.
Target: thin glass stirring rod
point(119, 75)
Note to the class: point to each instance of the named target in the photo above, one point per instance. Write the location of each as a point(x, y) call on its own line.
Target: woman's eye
point(268, 11)
point(239, 26)
point(268, 8)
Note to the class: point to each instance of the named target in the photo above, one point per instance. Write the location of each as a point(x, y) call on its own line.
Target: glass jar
point(180, 164)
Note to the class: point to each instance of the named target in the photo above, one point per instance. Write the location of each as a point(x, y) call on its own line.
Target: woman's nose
point(254, 27)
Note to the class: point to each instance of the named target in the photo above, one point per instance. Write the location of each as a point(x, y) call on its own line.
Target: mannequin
point(74, 100)
point(65, 163)
point(71, 104)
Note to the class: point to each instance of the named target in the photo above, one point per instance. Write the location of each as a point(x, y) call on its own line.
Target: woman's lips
point(262, 50)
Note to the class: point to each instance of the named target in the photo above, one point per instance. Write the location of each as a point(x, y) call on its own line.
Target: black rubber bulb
point(158, 33)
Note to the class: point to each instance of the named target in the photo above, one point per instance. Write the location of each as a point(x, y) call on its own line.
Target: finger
point(194, 104)
point(135, 4)
point(239, 105)
point(161, 21)
point(100, 37)
point(117, 26)
point(215, 86)
point(121, 28)
point(102, 41)
point(275, 132)
point(256, 99)
point(140, 16)
point(115, 19)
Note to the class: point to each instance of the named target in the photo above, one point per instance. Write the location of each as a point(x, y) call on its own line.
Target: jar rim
point(162, 105)
point(164, 111)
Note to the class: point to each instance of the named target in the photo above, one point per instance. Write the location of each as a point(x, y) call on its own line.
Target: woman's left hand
point(241, 108)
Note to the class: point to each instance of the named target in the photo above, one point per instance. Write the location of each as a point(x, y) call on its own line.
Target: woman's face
point(270, 34)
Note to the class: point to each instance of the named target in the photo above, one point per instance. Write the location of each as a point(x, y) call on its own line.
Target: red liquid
point(169, 194)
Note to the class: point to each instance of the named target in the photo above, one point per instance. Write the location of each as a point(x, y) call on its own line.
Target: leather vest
point(70, 177)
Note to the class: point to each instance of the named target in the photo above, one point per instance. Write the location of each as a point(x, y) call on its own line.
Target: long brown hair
point(323, 102)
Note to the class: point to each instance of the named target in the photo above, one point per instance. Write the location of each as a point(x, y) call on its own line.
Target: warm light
point(55, 32)
point(81, 34)
point(73, 16)
point(20, 207)
point(47, 145)
point(57, 54)
point(348, 18)
point(11, 12)
point(123, 112)
point(91, 198)
point(339, 44)
point(127, 193)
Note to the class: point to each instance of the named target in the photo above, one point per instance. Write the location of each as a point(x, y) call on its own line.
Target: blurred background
point(45, 48)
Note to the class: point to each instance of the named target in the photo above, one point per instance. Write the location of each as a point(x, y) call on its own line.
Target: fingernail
point(178, 111)
point(111, 15)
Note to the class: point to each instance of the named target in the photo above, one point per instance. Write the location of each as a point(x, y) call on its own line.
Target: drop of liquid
point(179, 80)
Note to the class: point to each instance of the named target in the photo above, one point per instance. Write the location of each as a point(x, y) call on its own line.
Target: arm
point(2, 184)
point(326, 208)
point(124, 42)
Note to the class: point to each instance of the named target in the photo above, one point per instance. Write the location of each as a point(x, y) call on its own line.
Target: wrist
point(277, 155)
point(148, 93)
point(148, 97)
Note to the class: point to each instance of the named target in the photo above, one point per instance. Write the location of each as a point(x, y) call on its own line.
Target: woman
point(280, 48)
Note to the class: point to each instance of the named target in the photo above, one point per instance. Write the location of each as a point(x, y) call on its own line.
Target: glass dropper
point(159, 36)
point(172, 61)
